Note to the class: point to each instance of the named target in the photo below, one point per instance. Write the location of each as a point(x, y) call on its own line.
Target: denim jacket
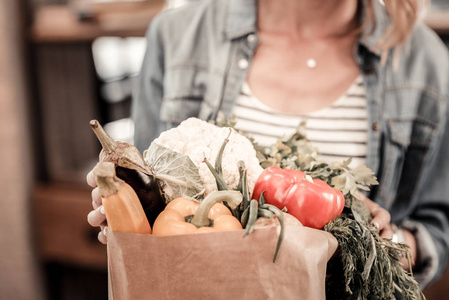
point(197, 59)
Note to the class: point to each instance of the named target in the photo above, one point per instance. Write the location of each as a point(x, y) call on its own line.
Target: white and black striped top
point(338, 131)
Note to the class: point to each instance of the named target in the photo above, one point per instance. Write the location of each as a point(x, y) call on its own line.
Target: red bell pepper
point(313, 203)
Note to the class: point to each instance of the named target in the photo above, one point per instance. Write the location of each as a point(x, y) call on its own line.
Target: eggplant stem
point(107, 143)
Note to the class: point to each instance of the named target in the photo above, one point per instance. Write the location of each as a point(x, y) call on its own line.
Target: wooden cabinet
point(62, 229)
point(66, 98)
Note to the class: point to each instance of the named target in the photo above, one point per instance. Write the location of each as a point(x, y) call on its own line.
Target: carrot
point(124, 212)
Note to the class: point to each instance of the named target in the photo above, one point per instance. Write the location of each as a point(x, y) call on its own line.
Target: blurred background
point(63, 63)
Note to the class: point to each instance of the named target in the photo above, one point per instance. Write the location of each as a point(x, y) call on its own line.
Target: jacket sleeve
point(148, 90)
point(430, 221)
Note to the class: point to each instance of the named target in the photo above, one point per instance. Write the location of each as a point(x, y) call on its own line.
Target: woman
point(304, 59)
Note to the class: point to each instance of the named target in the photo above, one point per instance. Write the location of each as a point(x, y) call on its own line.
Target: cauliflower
point(199, 140)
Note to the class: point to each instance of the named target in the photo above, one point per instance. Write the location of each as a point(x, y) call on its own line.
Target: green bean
point(218, 161)
point(241, 167)
point(235, 212)
point(253, 209)
point(221, 184)
point(243, 184)
point(266, 206)
point(265, 213)
point(280, 216)
point(244, 218)
point(262, 199)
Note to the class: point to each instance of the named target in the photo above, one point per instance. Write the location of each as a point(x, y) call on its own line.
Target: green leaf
point(280, 149)
point(364, 175)
point(176, 171)
point(223, 121)
point(343, 183)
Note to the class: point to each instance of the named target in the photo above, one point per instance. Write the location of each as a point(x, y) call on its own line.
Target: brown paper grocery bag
point(222, 265)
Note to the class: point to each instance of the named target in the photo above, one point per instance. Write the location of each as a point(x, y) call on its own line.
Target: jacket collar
point(241, 20)
point(371, 35)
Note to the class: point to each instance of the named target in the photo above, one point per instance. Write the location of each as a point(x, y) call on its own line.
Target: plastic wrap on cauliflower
point(199, 140)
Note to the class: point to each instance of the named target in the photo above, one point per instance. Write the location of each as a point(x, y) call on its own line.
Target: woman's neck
point(308, 19)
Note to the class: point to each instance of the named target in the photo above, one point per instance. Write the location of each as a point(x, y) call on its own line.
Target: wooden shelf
point(84, 22)
point(70, 23)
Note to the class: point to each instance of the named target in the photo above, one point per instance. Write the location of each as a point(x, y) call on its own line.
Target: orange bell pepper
point(184, 216)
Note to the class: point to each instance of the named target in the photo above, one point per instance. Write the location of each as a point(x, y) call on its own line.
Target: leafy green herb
point(370, 264)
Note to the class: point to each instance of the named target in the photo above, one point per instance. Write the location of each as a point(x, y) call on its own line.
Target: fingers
point(96, 198)
point(97, 217)
point(102, 236)
point(91, 179)
point(387, 232)
point(381, 216)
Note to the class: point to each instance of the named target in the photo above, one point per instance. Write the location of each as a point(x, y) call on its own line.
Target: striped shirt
point(338, 131)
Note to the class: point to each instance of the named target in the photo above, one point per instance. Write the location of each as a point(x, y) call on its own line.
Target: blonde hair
point(403, 15)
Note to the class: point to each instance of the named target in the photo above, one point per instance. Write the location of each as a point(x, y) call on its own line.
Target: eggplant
point(147, 189)
point(131, 168)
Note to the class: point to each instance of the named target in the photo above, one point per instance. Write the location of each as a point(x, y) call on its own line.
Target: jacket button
point(375, 126)
point(243, 64)
point(251, 38)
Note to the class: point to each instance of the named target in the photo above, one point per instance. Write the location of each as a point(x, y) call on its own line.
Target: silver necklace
point(311, 63)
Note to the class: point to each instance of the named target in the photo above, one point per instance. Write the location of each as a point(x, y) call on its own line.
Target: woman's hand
point(97, 217)
point(381, 219)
